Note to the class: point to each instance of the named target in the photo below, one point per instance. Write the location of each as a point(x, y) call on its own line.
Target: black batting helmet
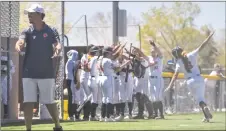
point(176, 52)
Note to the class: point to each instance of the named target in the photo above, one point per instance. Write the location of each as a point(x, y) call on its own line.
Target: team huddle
point(113, 76)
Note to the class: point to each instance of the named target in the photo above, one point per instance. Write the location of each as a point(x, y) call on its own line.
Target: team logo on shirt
point(45, 35)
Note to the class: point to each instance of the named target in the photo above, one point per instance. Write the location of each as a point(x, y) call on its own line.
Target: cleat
point(101, 119)
point(119, 118)
point(93, 119)
point(138, 117)
point(205, 120)
point(109, 119)
point(128, 117)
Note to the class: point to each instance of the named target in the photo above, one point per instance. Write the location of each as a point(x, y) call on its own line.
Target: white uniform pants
point(141, 85)
point(85, 87)
point(95, 91)
point(156, 88)
point(126, 88)
point(116, 90)
point(107, 84)
point(196, 85)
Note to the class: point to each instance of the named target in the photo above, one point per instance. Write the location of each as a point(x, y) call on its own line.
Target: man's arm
point(56, 43)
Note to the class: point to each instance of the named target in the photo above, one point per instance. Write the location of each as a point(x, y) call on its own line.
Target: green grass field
point(173, 122)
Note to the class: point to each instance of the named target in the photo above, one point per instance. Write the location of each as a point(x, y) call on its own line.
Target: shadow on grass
point(34, 122)
point(37, 122)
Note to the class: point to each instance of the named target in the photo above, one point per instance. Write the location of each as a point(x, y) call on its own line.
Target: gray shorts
point(46, 88)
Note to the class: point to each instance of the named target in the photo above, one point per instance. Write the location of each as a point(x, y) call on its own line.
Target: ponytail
point(185, 61)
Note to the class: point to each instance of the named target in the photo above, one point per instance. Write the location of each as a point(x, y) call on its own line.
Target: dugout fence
point(10, 14)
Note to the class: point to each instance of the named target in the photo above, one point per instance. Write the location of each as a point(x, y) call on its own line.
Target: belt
point(116, 77)
point(154, 77)
point(191, 77)
point(92, 76)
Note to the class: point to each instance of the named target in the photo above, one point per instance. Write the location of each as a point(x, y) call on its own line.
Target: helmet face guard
point(94, 50)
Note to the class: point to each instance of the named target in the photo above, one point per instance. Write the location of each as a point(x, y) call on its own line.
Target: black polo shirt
point(39, 50)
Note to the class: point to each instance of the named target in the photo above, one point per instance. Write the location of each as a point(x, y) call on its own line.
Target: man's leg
point(30, 97)
point(46, 96)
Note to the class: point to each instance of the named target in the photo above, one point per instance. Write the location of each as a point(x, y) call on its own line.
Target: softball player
point(84, 77)
point(156, 80)
point(108, 68)
point(116, 103)
point(95, 100)
point(187, 63)
point(141, 87)
point(125, 91)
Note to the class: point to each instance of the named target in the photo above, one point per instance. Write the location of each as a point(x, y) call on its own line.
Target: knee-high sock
point(148, 105)
point(130, 105)
point(122, 109)
point(140, 104)
point(93, 111)
point(202, 105)
point(118, 108)
point(155, 107)
point(87, 108)
point(109, 109)
point(160, 108)
point(103, 110)
point(6, 109)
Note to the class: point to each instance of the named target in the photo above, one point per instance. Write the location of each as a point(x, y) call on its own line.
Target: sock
point(118, 109)
point(109, 109)
point(122, 105)
point(103, 110)
point(155, 106)
point(5, 109)
point(93, 111)
point(161, 108)
point(130, 105)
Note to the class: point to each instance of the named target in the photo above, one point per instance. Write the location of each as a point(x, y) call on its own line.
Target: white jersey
point(84, 60)
point(107, 65)
point(93, 66)
point(192, 57)
point(100, 72)
point(145, 63)
point(156, 70)
point(116, 64)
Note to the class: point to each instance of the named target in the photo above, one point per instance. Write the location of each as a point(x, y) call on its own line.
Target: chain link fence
point(10, 14)
point(10, 19)
point(102, 36)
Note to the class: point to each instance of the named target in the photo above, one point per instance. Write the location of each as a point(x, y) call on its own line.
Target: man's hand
point(19, 45)
point(57, 49)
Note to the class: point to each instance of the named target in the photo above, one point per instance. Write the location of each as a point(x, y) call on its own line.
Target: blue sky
point(212, 13)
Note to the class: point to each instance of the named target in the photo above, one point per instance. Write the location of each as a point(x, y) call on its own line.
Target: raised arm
point(156, 48)
point(205, 42)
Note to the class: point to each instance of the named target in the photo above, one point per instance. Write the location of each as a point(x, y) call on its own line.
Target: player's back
point(107, 66)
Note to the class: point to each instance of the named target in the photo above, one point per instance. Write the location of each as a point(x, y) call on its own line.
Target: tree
point(172, 26)
point(52, 11)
